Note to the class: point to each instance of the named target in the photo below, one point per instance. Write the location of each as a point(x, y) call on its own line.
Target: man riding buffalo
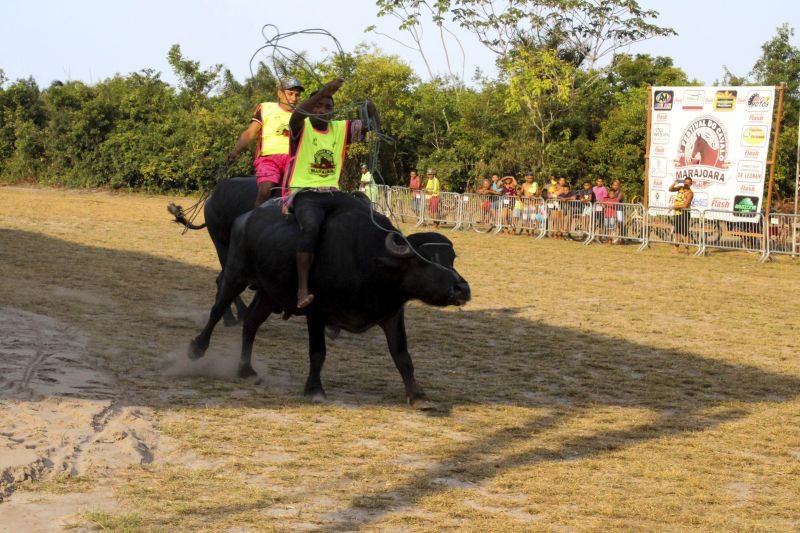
point(317, 150)
point(270, 125)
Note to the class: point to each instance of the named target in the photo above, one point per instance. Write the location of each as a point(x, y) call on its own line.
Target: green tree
point(780, 62)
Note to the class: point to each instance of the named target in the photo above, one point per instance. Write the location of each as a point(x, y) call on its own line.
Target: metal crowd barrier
point(603, 221)
point(382, 199)
point(406, 204)
point(569, 219)
point(783, 233)
point(685, 229)
point(481, 212)
point(618, 222)
point(442, 208)
point(732, 231)
point(529, 215)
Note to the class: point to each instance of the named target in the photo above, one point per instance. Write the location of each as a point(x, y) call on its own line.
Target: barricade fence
point(569, 219)
point(406, 204)
point(480, 212)
point(619, 222)
point(683, 227)
point(442, 209)
point(730, 231)
point(783, 234)
point(700, 230)
point(529, 216)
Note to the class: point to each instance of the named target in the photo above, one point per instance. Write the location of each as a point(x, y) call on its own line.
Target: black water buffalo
point(362, 276)
point(230, 199)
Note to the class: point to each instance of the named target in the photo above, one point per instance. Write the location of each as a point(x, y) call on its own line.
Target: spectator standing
point(682, 207)
point(509, 189)
point(616, 188)
point(490, 204)
point(415, 184)
point(367, 184)
point(562, 195)
point(587, 199)
point(432, 188)
point(530, 190)
point(610, 217)
point(600, 195)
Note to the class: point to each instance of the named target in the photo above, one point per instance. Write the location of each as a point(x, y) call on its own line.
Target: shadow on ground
point(150, 306)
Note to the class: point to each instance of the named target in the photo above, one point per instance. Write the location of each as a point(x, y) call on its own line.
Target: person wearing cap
point(317, 147)
point(367, 184)
point(270, 125)
point(432, 188)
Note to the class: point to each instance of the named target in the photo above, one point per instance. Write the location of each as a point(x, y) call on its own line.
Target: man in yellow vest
point(432, 188)
point(367, 184)
point(270, 125)
point(317, 150)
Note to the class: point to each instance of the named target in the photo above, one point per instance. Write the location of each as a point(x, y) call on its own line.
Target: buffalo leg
point(228, 319)
point(241, 308)
point(258, 312)
point(395, 329)
point(228, 290)
point(316, 355)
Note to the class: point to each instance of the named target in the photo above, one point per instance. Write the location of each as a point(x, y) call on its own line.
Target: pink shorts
point(271, 168)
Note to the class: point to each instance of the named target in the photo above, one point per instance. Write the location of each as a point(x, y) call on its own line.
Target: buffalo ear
point(390, 263)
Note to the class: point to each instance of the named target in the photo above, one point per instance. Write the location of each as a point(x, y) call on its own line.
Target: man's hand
point(331, 87)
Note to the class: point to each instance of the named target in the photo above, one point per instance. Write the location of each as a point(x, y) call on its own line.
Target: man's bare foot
point(304, 300)
point(676, 250)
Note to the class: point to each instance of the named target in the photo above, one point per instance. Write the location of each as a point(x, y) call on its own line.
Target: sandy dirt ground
point(583, 389)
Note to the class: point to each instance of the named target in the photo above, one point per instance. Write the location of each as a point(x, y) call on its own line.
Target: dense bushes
point(137, 132)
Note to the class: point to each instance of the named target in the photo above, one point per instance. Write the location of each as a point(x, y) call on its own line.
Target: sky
point(90, 40)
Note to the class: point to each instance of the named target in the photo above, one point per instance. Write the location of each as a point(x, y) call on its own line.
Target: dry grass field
point(582, 389)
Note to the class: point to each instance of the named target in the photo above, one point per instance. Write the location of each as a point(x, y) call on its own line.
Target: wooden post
point(797, 169)
point(646, 199)
point(774, 159)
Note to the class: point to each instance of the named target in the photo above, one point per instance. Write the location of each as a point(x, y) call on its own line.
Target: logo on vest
point(323, 165)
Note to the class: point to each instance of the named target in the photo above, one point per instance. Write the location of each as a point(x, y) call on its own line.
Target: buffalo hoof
point(196, 350)
point(246, 371)
point(332, 332)
point(421, 404)
point(316, 395)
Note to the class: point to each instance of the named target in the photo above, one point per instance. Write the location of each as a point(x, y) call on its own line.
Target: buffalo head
point(427, 265)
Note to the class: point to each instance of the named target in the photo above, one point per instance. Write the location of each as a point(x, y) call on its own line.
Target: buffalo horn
point(401, 251)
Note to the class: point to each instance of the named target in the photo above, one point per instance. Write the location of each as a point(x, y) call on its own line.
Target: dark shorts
point(681, 223)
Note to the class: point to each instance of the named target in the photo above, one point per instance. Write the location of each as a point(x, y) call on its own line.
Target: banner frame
point(646, 197)
point(774, 160)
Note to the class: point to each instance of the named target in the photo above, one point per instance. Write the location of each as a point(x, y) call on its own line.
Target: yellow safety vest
point(432, 187)
point(274, 129)
point(319, 158)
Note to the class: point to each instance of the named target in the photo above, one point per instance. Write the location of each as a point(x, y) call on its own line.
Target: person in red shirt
point(415, 184)
point(270, 125)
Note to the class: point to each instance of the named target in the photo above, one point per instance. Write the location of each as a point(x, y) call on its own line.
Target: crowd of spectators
point(569, 209)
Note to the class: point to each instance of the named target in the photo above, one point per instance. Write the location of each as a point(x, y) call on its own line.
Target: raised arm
point(306, 107)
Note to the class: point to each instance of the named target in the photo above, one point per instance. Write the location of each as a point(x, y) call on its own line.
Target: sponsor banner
point(662, 100)
point(660, 133)
point(718, 137)
point(658, 167)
